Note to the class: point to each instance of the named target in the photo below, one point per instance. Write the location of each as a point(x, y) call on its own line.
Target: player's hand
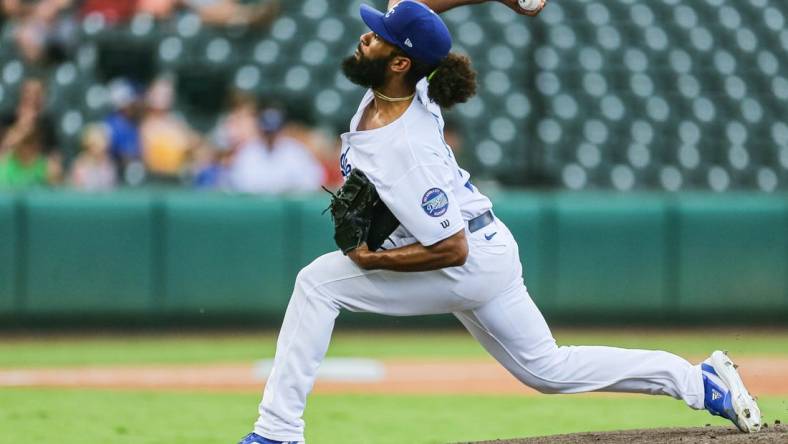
point(359, 255)
point(515, 6)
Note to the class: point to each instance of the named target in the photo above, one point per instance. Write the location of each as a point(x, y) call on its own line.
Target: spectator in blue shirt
point(124, 135)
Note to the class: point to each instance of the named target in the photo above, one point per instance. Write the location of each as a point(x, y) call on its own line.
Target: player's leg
point(330, 283)
point(513, 330)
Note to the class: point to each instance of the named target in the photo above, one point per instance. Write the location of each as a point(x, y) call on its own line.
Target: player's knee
point(546, 387)
point(542, 372)
point(542, 380)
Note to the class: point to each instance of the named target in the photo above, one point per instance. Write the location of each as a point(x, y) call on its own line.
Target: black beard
point(369, 73)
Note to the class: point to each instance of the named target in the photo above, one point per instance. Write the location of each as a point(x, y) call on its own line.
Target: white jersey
point(414, 171)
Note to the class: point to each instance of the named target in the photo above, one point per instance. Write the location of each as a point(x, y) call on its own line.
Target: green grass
point(246, 347)
point(126, 417)
point(85, 416)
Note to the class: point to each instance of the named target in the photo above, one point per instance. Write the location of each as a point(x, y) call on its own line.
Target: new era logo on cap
point(408, 43)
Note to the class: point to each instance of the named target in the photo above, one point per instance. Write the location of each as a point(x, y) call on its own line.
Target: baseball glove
point(360, 215)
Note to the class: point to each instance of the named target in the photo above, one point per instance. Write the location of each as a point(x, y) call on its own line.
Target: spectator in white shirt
point(274, 163)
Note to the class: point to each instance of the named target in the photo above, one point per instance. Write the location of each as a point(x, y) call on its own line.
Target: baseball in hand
point(529, 5)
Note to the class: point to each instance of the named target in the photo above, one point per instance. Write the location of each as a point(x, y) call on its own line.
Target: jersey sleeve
point(423, 202)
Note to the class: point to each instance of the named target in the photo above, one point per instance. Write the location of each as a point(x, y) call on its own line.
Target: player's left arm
point(450, 252)
point(444, 5)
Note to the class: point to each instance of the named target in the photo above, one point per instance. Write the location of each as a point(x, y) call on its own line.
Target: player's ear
point(400, 64)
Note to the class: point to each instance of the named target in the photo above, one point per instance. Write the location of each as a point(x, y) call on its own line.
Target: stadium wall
point(607, 256)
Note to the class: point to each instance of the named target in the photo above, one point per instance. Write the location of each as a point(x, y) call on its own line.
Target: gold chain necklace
point(386, 98)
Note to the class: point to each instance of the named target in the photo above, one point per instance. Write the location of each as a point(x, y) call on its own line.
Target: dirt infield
point(764, 376)
point(697, 435)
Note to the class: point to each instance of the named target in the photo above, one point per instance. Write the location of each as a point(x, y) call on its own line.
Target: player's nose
point(365, 38)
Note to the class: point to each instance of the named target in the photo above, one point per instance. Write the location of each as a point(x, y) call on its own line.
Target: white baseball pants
point(488, 296)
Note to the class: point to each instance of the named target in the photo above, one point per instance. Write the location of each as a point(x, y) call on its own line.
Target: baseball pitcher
point(448, 252)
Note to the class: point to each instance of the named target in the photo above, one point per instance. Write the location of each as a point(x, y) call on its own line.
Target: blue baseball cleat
point(254, 438)
point(725, 394)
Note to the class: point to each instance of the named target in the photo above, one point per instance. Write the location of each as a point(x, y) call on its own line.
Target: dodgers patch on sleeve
point(435, 202)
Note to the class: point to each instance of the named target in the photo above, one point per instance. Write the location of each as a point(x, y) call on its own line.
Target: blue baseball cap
point(413, 27)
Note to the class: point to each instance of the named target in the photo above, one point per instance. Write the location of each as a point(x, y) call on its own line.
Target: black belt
point(481, 221)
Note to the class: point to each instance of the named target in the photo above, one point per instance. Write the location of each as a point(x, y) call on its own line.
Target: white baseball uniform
point(418, 178)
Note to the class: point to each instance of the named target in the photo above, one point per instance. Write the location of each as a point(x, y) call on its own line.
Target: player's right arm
point(449, 252)
point(444, 5)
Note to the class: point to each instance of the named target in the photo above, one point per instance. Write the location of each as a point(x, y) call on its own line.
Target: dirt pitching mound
point(773, 433)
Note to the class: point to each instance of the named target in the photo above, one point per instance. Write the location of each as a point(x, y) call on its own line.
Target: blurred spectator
point(216, 12)
point(325, 146)
point(122, 125)
point(44, 31)
point(166, 138)
point(234, 13)
point(93, 169)
point(30, 112)
point(23, 164)
point(113, 11)
point(274, 163)
point(28, 144)
point(208, 168)
point(238, 125)
point(330, 161)
point(161, 9)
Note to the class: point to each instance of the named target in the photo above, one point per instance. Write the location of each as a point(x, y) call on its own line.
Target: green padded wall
point(611, 253)
point(526, 218)
point(8, 253)
point(733, 254)
point(88, 254)
point(178, 253)
point(316, 230)
point(224, 254)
